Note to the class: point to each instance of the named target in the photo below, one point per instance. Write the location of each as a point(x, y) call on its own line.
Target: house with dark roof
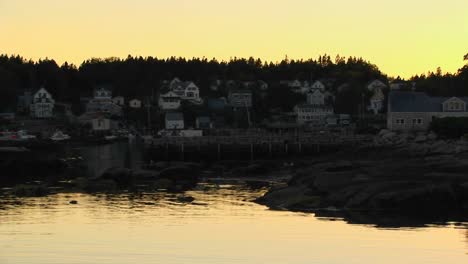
point(240, 98)
point(103, 102)
point(203, 122)
point(414, 111)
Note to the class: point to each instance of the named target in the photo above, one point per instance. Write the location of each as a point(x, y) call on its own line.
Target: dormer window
point(454, 104)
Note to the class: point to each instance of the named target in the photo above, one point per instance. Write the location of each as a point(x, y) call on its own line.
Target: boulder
point(293, 197)
point(180, 174)
point(185, 199)
point(441, 147)
point(101, 185)
point(389, 136)
point(383, 132)
point(429, 198)
point(432, 136)
point(326, 182)
point(26, 190)
point(163, 184)
point(420, 139)
point(144, 175)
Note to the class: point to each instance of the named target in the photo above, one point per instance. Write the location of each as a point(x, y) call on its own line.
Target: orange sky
point(402, 37)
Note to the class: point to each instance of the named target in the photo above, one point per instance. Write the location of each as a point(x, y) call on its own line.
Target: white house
point(101, 124)
point(295, 84)
point(191, 92)
point(314, 115)
point(174, 120)
point(186, 90)
point(316, 97)
point(134, 103)
point(103, 102)
point(414, 111)
point(376, 84)
point(169, 101)
point(318, 85)
point(119, 100)
point(102, 93)
point(376, 103)
point(42, 105)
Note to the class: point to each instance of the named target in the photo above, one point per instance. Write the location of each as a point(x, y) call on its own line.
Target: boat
point(59, 136)
point(23, 135)
point(8, 136)
point(111, 138)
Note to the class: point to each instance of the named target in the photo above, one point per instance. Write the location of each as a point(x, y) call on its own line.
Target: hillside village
point(180, 107)
point(343, 102)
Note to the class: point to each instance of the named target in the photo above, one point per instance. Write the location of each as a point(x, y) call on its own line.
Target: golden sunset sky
point(402, 37)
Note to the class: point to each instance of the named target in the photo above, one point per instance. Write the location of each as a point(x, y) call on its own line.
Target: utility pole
point(248, 112)
point(148, 109)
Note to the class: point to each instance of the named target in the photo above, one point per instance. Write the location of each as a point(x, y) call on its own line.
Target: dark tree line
point(138, 76)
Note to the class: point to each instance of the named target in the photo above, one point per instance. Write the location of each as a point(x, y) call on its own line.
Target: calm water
point(221, 226)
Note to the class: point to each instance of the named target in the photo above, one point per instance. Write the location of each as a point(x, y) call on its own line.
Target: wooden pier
point(246, 147)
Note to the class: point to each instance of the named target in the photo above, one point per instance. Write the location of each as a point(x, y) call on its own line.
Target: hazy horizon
point(402, 38)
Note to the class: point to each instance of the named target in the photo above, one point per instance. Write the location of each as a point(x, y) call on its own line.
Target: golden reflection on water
point(220, 226)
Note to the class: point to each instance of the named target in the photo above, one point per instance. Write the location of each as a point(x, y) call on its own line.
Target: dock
point(247, 147)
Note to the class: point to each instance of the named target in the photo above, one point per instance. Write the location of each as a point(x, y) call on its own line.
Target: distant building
point(186, 90)
point(98, 121)
point(169, 101)
point(42, 105)
point(294, 84)
point(203, 122)
point(174, 120)
point(102, 102)
point(318, 85)
point(316, 97)
point(103, 124)
point(414, 111)
point(376, 84)
point(102, 93)
point(10, 116)
point(262, 85)
point(134, 103)
point(376, 103)
point(119, 100)
point(216, 104)
point(240, 98)
point(24, 102)
point(398, 85)
point(314, 115)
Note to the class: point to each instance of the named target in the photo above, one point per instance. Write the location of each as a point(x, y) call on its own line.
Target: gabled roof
point(312, 106)
point(240, 91)
point(376, 81)
point(417, 102)
point(170, 94)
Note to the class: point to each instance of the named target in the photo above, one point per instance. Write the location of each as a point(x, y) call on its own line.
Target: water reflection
point(220, 226)
point(101, 157)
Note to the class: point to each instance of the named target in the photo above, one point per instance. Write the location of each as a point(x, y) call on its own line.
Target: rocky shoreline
point(398, 173)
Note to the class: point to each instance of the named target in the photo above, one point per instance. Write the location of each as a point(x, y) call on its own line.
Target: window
point(417, 121)
point(400, 121)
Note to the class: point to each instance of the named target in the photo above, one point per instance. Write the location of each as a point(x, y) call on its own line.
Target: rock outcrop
point(394, 179)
